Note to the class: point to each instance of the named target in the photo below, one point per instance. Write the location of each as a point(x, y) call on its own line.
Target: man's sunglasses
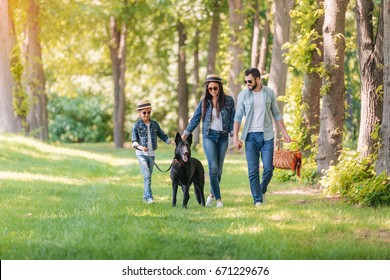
point(248, 81)
point(146, 113)
point(213, 88)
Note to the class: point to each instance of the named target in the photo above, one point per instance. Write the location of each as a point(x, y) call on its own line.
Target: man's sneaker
point(210, 200)
point(263, 198)
point(149, 201)
point(219, 204)
point(258, 204)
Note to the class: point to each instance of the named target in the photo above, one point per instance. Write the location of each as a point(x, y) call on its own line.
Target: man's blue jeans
point(146, 164)
point(215, 145)
point(255, 146)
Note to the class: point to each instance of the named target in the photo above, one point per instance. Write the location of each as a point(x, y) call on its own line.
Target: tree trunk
point(264, 45)
point(383, 162)
point(311, 90)
point(237, 22)
point(37, 101)
point(256, 35)
point(9, 122)
point(332, 114)
point(213, 43)
point(182, 88)
point(196, 90)
point(371, 74)
point(278, 72)
point(118, 60)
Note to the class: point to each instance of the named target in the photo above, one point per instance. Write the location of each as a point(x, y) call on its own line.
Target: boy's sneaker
point(258, 204)
point(219, 204)
point(210, 200)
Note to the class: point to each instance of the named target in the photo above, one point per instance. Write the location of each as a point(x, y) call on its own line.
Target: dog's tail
point(197, 194)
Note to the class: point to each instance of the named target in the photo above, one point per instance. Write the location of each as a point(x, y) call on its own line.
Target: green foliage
point(19, 94)
point(355, 180)
point(83, 118)
point(299, 55)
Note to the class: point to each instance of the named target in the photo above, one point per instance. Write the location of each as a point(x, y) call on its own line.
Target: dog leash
point(157, 165)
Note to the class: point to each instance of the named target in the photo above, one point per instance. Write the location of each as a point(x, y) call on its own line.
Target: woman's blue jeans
point(215, 145)
point(146, 163)
point(255, 146)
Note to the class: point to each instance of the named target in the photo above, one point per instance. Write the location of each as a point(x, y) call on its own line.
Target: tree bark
point(37, 101)
point(118, 61)
point(278, 72)
point(256, 35)
point(236, 21)
point(311, 90)
point(213, 42)
point(9, 122)
point(196, 90)
point(383, 162)
point(182, 87)
point(332, 114)
point(264, 44)
point(371, 74)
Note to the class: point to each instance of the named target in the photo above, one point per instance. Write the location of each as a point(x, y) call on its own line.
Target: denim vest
point(140, 134)
point(245, 108)
point(227, 114)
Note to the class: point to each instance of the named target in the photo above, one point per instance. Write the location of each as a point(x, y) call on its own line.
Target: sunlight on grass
point(28, 177)
point(55, 152)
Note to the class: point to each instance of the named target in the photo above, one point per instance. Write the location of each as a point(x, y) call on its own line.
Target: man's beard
point(253, 86)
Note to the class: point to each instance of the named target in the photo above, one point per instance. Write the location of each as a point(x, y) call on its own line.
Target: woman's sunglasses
point(213, 88)
point(146, 113)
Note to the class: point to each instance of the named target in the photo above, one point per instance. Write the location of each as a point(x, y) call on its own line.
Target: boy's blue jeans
point(146, 163)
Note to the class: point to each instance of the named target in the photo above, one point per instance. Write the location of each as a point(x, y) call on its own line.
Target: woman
point(216, 110)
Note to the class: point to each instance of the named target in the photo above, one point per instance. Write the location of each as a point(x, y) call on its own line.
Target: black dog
point(185, 171)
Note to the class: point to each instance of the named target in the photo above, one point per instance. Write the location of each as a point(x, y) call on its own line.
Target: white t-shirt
point(257, 124)
point(216, 123)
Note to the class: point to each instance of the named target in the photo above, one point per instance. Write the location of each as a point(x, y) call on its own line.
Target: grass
point(84, 201)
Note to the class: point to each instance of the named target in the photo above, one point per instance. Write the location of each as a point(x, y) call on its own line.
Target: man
point(258, 104)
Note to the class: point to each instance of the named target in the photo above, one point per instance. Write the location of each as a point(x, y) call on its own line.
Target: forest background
point(72, 71)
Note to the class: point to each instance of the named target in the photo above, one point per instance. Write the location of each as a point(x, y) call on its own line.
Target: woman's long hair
point(208, 96)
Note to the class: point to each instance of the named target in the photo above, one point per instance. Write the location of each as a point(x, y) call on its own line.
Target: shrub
point(80, 119)
point(354, 179)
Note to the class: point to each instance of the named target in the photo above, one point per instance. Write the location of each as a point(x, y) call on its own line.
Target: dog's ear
point(177, 138)
point(189, 139)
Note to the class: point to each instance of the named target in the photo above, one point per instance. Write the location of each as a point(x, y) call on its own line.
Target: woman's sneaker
point(149, 201)
point(210, 200)
point(219, 204)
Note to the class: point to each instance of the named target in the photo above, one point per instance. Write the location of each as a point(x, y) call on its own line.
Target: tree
point(383, 162)
point(213, 42)
point(35, 82)
point(278, 71)
point(236, 21)
point(9, 121)
point(312, 86)
point(256, 35)
point(263, 52)
point(182, 87)
point(117, 46)
point(371, 73)
point(333, 103)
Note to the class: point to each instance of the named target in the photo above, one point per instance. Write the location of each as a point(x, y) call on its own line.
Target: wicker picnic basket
point(286, 159)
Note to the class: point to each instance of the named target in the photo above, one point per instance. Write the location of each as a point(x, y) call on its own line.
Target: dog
point(186, 170)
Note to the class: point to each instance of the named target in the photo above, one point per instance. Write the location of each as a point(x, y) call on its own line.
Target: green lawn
point(84, 201)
